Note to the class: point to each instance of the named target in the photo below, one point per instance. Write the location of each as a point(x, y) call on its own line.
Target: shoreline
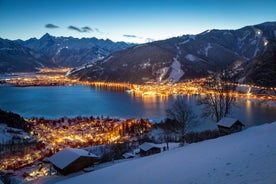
point(126, 88)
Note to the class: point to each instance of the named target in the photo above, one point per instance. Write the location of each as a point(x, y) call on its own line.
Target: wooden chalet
point(71, 160)
point(229, 125)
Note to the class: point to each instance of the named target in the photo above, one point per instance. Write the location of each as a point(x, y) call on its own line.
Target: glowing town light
point(265, 43)
point(258, 32)
point(248, 92)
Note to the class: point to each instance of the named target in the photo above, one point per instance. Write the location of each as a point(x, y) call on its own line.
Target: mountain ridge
point(189, 56)
point(51, 51)
point(70, 51)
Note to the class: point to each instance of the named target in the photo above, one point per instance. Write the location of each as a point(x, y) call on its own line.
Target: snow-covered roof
point(136, 151)
point(147, 146)
point(68, 155)
point(128, 155)
point(227, 122)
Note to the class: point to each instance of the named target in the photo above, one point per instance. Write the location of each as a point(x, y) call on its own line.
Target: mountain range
point(249, 52)
point(50, 51)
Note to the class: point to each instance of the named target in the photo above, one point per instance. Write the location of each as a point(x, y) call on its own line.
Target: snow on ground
point(161, 73)
point(241, 80)
point(8, 134)
point(245, 157)
point(107, 59)
point(4, 137)
point(192, 37)
point(190, 57)
point(227, 33)
point(240, 40)
point(75, 70)
point(184, 42)
point(176, 72)
point(256, 51)
point(207, 49)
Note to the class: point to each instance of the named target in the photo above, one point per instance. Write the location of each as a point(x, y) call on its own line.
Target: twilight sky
point(128, 20)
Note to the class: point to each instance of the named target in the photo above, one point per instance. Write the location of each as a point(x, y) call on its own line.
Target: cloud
point(149, 40)
point(85, 29)
point(74, 28)
point(51, 26)
point(130, 36)
point(138, 37)
point(97, 30)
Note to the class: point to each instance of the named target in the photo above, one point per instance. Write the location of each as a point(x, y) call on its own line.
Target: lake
point(59, 101)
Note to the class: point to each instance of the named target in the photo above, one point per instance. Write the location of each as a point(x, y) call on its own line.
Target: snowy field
point(245, 157)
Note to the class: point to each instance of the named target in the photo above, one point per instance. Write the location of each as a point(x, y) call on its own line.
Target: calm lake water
point(71, 101)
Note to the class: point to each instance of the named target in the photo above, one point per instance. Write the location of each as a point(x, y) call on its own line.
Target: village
point(52, 136)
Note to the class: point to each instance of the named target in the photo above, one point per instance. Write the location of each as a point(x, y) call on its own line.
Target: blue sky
point(128, 20)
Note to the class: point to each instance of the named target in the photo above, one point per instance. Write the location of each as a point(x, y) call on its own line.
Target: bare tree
point(169, 128)
point(219, 97)
point(183, 115)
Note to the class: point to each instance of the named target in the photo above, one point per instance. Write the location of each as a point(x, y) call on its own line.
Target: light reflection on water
point(58, 101)
point(248, 105)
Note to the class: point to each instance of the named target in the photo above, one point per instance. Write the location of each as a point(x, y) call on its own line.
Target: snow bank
point(245, 157)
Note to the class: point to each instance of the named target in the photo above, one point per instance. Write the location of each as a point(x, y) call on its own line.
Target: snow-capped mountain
point(50, 51)
point(15, 57)
point(69, 51)
point(185, 57)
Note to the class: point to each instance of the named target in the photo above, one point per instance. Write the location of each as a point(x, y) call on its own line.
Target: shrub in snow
point(201, 136)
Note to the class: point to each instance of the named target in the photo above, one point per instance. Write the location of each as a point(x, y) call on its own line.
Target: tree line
point(14, 120)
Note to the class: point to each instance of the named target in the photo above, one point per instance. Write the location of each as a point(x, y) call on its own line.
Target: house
point(71, 160)
point(229, 125)
point(148, 148)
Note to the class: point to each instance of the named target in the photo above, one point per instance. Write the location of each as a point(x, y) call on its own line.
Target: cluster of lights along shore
point(52, 77)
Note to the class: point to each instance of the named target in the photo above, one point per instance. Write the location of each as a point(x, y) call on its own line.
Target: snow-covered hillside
point(245, 157)
point(8, 134)
point(189, 56)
